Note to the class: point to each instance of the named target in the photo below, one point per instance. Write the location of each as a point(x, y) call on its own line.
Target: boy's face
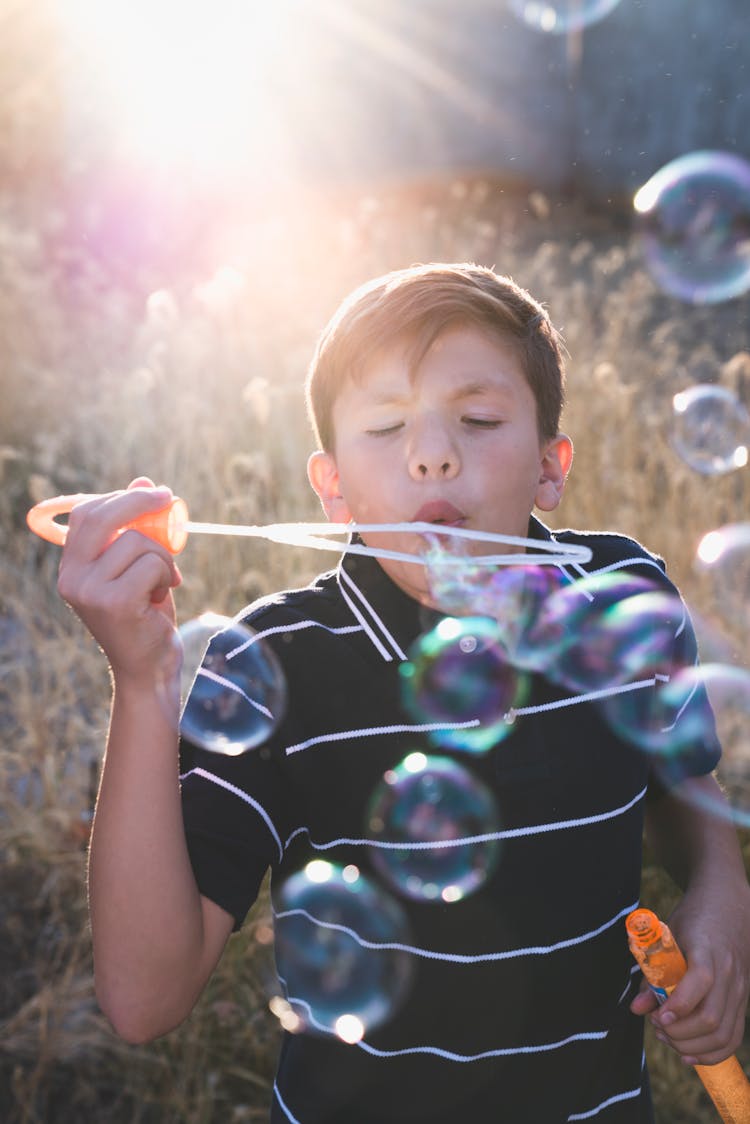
point(456, 442)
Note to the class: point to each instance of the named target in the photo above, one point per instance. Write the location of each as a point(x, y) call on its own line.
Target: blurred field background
point(162, 326)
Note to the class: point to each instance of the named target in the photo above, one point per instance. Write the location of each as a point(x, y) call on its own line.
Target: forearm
point(145, 907)
point(693, 839)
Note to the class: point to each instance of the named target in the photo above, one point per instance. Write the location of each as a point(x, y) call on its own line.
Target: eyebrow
point(473, 389)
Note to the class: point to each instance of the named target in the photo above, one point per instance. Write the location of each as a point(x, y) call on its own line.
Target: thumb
point(645, 1001)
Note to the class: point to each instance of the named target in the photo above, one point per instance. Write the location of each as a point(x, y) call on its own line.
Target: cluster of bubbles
point(693, 229)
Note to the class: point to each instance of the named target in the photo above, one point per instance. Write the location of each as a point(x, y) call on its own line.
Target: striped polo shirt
point(515, 1005)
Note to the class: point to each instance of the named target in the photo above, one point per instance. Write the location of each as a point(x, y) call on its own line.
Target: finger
point(84, 573)
point(93, 525)
point(690, 992)
point(645, 1001)
point(705, 1033)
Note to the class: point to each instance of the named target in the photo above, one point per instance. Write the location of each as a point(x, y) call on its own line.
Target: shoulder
point(320, 601)
point(610, 550)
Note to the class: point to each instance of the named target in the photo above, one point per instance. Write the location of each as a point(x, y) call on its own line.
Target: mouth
point(440, 513)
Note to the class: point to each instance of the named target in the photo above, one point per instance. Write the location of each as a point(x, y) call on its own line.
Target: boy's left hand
point(704, 1017)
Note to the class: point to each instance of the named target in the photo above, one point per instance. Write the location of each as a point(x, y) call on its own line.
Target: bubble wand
point(170, 527)
point(663, 966)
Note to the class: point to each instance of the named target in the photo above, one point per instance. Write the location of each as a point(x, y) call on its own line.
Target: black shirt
point(514, 1004)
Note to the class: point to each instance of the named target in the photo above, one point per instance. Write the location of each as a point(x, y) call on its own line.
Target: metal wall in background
point(432, 86)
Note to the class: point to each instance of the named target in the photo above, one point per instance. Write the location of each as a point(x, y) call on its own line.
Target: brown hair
point(413, 307)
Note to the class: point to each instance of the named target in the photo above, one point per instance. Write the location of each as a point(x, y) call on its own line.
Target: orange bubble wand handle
point(663, 966)
point(167, 527)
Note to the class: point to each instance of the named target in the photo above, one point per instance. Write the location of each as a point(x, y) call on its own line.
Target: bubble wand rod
point(170, 527)
point(663, 966)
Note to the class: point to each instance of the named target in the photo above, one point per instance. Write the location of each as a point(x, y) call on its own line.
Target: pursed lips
point(440, 512)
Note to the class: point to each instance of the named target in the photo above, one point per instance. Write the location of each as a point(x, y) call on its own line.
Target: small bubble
point(339, 950)
point(432, 830)
point(460, 680)
point(694, 226)
point(233, 685)
point(710, 429)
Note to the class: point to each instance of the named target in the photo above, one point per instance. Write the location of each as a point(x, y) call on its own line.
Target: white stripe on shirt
point(459, 957)
point(508, 833)
point(213, 779)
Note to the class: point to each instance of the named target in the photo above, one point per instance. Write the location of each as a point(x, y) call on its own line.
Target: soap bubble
point(511, 595)
point(682, 722)
point(233, 685)
point(557, 17)
point(432, 824)
point(338, 949)
point(710, 429)
point(584, 636)
point(724, 555)
point(694, 226)
point(458, 674)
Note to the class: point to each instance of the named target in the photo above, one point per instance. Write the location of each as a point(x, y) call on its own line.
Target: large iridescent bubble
point(694, 226)
point(710, 429)
point(682, 714)
point(601, 631)
point(556, 17)
point(433, 826)
point(341, 950)
point(460, 682)
point(233, 684)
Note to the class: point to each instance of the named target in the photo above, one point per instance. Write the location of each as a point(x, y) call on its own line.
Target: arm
point(704, 1017)
point(156, 940)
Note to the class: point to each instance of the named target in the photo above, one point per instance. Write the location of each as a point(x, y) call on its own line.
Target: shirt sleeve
point(233, 815)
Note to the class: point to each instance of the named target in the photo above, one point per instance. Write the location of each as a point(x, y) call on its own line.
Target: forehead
point(460, 359)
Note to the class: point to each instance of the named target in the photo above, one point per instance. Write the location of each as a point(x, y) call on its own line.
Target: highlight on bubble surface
point(341, 946)
point(557, 17)
point(723, 555)
point(233, 686)
point(693, 219)
point(710, 429)
point(433, 827)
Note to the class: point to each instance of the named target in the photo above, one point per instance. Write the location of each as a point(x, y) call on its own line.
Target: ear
point(557, 456)
point(324, 479)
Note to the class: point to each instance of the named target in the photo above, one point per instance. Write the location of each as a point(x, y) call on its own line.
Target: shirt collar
point(391, 619)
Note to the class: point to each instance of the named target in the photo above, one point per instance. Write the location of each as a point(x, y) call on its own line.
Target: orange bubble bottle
point(663, 966)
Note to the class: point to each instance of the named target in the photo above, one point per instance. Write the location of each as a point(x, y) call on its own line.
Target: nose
point(433, 454)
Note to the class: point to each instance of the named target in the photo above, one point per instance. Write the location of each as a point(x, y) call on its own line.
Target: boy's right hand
point(120, 585)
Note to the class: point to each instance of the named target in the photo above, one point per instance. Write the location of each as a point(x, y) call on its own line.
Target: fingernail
point(689, 1061)
point(668, 1018)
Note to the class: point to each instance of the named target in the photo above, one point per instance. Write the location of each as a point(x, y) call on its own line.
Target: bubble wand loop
point(170, 527)
point(663, 966)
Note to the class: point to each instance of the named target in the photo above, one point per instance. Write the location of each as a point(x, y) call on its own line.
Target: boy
point(436, 394)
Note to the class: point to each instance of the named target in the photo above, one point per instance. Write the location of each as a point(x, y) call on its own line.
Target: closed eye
point(482, 423)
point(385, 430)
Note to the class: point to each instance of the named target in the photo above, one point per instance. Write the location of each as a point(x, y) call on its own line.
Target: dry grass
point(194, 376)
